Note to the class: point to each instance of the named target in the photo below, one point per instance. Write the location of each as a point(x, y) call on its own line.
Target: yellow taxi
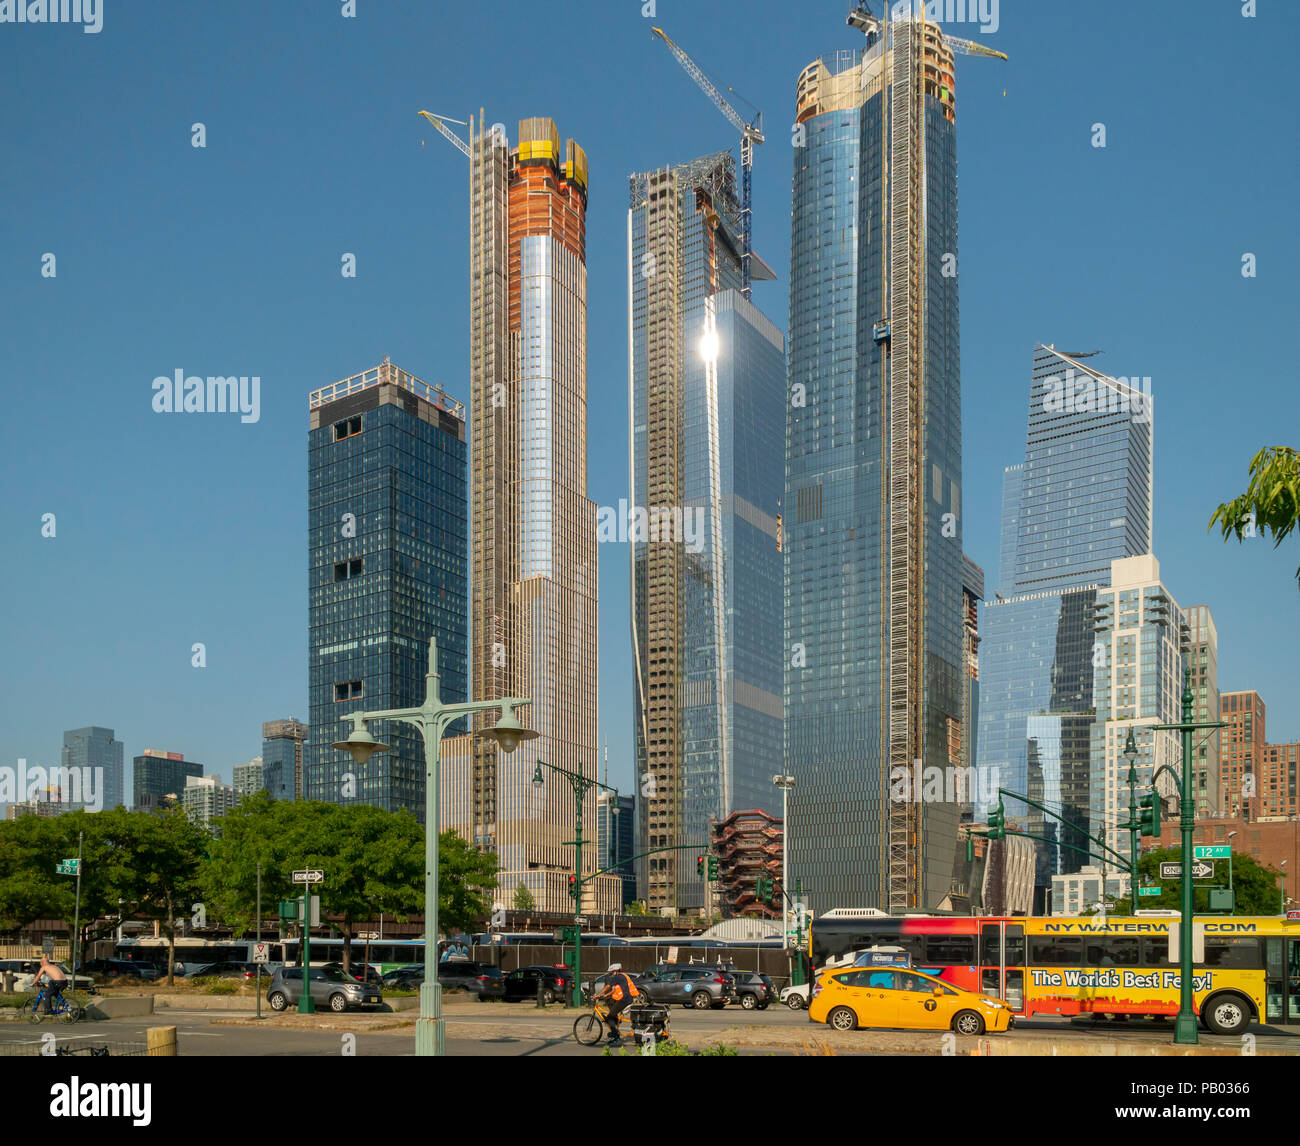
point(853, 997)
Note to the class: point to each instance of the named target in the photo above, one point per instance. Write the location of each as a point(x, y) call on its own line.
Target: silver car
point(329, 986)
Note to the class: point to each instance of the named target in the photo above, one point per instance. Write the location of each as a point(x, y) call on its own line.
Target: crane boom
point(455, 139)
point(750, 134)
point(971, 48)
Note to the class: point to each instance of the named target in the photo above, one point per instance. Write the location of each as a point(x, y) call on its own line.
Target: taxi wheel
point(842, 1019)
point(968, 1023)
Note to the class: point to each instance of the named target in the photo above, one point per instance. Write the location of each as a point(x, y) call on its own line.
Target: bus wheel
point(968, 1023)
point(842, 1019)
point(1226, 1014)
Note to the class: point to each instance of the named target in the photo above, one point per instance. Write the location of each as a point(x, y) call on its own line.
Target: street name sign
point(1212, 852)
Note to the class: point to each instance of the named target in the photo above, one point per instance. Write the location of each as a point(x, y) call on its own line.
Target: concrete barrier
point(130, 1007)
point(160, 1042)
point(208, 1003)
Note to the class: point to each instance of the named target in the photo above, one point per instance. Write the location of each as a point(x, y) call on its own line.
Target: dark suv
point(481, 979)
point(753, 991)
point(695, 985)
point(556, 983)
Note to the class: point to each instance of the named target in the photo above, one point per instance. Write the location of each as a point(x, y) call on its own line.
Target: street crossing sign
point(309, 875)
point(261, 952)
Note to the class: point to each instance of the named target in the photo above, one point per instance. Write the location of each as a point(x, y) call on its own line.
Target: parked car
point(361, 974)
point(521, 985)
point(228, 970)
point(25, 980)
point(795, 997)
point(121, 968)
point(328, 986)
point(481, 979)
point(754, 991)
point(697, 985)
point(405, 978)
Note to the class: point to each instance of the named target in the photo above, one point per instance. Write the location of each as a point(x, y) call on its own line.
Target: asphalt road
point(510, 1030)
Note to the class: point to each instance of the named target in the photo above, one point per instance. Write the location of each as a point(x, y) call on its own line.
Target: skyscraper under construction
point(533, 568)
point(872, 514)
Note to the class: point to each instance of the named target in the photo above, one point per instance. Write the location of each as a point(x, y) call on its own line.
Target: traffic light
point(765, 888)
point(1149, 814)
point(699, 866)
point(573, 887)
point(713, 867)
point(998, 823)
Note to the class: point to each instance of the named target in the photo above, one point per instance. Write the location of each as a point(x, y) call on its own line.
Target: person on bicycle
point(53, 974)
point(620, 991)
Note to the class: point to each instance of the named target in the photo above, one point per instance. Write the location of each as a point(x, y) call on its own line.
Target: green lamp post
point(433, 718)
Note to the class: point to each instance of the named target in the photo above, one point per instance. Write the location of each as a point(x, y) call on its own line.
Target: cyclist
point(53, 974)
point(620, 991)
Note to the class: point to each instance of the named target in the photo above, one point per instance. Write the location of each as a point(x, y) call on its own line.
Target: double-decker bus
point(1245, 968)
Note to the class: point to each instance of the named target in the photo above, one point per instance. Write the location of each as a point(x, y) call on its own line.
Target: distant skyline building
point(282, 758)
point(616, 839)
point(1081, 499)
point(707, 391)
point(1202, 654)
point(872, 514)
point(972, 593)
point(533, 565)
point(1257, 779)
point(159, 774)
point(205, 797)
point(247, 778)
point(387, 570)
point(1138, 683)
point(97, 754)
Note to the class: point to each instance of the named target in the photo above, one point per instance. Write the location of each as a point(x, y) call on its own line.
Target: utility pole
point(259, 937)
point(1185, 1026)
point(76, 914)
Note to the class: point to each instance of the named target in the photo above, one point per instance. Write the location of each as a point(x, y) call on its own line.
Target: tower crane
point(751, 133)
point(450, 135)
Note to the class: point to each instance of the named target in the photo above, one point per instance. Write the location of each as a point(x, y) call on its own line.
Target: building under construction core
point(533, 570)
point(872, 525)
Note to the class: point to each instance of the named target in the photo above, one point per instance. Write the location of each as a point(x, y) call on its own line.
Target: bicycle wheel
point(32, 1009)
point(588, 1029)
point(73, 1013)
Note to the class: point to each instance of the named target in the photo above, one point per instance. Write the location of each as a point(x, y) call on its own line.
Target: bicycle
point(67, 1009)
point(646, 1022)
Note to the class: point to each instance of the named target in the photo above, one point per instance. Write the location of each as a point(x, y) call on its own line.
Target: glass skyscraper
point(387, 570)
point(707, 397)
point(159, 774)
point(874, 674)
point(1081, 499)
point(282, 753)
point(99, 750)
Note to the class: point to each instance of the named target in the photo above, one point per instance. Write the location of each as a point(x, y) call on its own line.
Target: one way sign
point(309, 875)
point(1201, 869)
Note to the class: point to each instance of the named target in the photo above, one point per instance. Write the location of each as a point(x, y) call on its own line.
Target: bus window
point(1015, 943)
point(1155, 950)
point(1054, 950)
point(1231, 952)
point(950, 950)
point(1114, 951)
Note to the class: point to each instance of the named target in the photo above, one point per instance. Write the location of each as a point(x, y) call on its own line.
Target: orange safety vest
point(617, 983)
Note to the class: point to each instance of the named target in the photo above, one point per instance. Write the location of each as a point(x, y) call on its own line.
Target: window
point(349, 690)
point(1232, 952)
point(347, 428)
point(1055, 950)
point(1114, 951)
point(950, 949)
point(346, 569)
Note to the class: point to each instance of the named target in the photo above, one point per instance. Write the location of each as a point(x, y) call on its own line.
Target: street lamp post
point(581, 786)
point(1185, 1026)
point(1130, 753)
point(433, 718)
point(1230, 891)
point(1281, 891)
point(786, 784)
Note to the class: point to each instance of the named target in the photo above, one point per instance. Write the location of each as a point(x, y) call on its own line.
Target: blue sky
point(225, 260)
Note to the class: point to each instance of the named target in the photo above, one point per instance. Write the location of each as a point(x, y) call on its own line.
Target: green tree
point(1271, 503)
point(1255, 885)
point(161, 881)
point(466, 878)
point(524, 899)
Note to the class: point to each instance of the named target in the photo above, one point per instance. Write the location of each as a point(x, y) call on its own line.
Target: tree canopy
point(1271, 503)
point(1256, 886)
